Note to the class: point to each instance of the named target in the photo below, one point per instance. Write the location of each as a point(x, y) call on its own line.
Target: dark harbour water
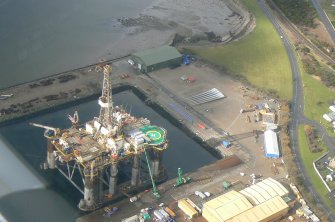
point(29, 142)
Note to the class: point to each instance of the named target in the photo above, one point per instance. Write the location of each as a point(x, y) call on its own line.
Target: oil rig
point(89, 155)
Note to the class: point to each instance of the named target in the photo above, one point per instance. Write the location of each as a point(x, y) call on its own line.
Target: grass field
point(317, 98)
point(260, 57)
point(308, 158)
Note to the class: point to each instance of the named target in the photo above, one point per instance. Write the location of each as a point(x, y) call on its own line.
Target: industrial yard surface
point(168, 88)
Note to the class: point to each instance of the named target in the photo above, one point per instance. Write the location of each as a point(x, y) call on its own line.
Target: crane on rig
point(74, 119)
point(154, 188)
point(50, 132)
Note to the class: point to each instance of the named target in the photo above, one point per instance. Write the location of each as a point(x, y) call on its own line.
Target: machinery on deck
point(89, 155)
point(181, 180)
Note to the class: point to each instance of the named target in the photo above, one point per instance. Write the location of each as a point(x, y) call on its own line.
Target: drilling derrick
point(89, 155)
point(105, 100)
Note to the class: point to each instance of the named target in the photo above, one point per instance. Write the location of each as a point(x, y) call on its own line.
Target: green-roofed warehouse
point(156, 58)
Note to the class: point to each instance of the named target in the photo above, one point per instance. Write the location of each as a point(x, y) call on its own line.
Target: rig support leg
point(88, 202)
point(101, 185)
point(135, 171)
point(51, 159)
point(113, 178)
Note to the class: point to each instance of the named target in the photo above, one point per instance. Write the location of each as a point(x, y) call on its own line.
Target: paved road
point(324, 19)
point(284, 22)
point(297, 111)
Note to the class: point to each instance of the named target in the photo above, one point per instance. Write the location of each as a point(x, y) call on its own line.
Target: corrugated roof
point(228, 205)
point(263, 211)
point(158, 55)
point(268, 188)
point(256, 196)
point(282, 190)
point(250, 197)
point(271, 143)
point(261, 191)
point(264, 190)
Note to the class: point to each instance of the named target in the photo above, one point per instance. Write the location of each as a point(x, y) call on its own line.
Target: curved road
point(298, 112)
point(284, 22)
point(324, 19)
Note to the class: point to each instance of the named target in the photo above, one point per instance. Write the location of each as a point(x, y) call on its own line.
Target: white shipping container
point(159, 215)
point(166, 215)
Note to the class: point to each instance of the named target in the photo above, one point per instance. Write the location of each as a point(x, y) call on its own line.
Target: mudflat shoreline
point(82, 82)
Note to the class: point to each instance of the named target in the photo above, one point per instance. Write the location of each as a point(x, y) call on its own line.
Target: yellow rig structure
point(93, 151)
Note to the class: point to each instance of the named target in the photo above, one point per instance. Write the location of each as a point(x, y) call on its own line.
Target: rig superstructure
point(93, 151)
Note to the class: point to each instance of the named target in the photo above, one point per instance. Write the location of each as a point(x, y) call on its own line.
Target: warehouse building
point(261, 202)
point(270, 210)
point(156, 58)
point(264, 191)
point(225, 207)
point(271, 144)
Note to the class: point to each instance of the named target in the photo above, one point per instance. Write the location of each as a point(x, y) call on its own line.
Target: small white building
point(330, 117)
point(332, 108)
point(271, 144)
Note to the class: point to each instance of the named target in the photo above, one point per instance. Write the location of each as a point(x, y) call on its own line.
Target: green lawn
point(260, 56)
point(317, 98)
point(308, 158)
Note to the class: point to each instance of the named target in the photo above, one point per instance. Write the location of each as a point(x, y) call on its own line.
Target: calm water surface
point(43, 37)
